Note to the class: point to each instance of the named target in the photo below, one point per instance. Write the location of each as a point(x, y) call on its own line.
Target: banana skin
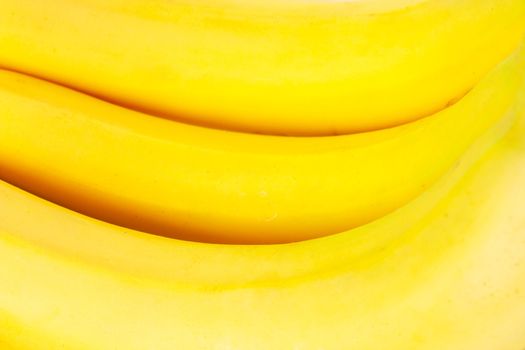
point(435, 274)
point(435, 259)
point(273, 67)
point(210, 185)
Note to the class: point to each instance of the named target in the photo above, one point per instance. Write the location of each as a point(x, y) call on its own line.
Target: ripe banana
point(436, 274)
point(296, 67)
point(218, 186)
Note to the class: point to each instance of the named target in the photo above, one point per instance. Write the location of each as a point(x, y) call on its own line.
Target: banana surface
point(295, 67)
point(218, 186)
point(435, 274)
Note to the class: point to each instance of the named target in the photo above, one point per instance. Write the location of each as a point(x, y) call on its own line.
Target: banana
point(211, 185)
point(295, 67)
point(436, 274)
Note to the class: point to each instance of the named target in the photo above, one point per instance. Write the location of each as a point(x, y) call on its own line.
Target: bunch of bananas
point(228, 174)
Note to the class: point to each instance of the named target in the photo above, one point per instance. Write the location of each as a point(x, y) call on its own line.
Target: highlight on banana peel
point(249, 174)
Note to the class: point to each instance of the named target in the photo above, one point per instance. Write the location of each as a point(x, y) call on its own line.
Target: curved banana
point(295, 67)
point(217, 186)
point(436, 274)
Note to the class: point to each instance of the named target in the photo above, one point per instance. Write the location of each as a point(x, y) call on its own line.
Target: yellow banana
point(446, 271)
point(218, 186)
point(301, 67)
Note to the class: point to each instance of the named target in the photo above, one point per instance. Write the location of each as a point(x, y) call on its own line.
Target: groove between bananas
point(436, 274)
point(291, 67)
point(216, 186)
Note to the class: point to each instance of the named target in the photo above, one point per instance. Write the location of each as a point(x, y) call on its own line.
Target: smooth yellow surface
point(287, 67)
point(446, 271)
point(217, 186)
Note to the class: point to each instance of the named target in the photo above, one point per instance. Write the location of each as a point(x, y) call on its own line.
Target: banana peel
point(446, 271)
point(210, 185)
point(295, 67)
